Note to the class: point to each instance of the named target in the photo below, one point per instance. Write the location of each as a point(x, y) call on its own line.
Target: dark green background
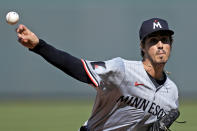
point(93, 30)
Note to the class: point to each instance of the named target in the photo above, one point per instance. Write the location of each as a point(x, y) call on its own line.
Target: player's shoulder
point(116, 59)
point(173, 89)
point(131, 63)
point(126, 62)
point(172, 84)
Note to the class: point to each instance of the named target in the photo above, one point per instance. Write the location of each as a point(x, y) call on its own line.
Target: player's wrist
point(40, 44)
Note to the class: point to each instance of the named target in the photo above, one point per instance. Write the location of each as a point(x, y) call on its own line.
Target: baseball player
point(131, 95)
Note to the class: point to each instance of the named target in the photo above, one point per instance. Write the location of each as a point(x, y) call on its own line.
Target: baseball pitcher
point(131, 95)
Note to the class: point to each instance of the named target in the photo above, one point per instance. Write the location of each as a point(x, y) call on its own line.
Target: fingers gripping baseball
point(26, 37)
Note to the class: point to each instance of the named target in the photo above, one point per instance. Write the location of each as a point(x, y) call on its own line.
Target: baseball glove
point(165, 122)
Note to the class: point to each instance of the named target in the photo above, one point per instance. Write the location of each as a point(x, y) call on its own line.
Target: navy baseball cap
point(154, 25)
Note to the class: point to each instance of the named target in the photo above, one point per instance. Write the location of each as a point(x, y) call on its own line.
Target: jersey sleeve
point(105, 73)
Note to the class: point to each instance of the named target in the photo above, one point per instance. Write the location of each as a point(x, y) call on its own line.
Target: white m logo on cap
point(156, 24)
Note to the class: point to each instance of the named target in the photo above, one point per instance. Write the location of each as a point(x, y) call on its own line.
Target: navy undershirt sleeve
point(62, 60)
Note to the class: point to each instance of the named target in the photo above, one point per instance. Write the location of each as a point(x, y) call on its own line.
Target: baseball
point(12, 18)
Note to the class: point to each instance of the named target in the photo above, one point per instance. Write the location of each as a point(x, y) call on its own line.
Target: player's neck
point(155, 70)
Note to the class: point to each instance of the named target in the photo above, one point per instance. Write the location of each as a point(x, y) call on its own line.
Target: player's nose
point(160, 45)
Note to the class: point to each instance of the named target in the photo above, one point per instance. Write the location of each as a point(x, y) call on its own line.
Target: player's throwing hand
point(26, 37)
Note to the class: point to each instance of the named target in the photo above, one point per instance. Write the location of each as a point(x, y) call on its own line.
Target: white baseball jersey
point(127, 99)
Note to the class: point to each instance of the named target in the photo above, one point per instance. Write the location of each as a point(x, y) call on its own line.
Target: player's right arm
point(62, 60)
point(108, 73)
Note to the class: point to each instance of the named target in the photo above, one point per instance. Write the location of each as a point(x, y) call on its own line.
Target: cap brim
point(168, 31)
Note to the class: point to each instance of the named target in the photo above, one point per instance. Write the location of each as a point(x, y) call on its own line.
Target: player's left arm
point(164, 123)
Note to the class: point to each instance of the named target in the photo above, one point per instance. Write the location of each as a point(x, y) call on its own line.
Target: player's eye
point(165, 40)
point(153, 41)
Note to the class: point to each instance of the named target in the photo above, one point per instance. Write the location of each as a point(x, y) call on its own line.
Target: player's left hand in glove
point(165, 122)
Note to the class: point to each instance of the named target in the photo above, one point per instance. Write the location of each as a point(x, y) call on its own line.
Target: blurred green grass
point(188, 113)
point(43, 115)
point(67, 115)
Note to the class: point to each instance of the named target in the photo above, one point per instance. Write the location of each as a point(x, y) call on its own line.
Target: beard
point(161, 60)
point(158, 59)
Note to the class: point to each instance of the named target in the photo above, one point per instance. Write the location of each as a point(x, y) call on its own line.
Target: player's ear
point(171, 40)
point(142, 49)
point(142, 45)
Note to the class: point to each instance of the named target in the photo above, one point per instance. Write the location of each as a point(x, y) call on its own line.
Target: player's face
point(157, 48)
